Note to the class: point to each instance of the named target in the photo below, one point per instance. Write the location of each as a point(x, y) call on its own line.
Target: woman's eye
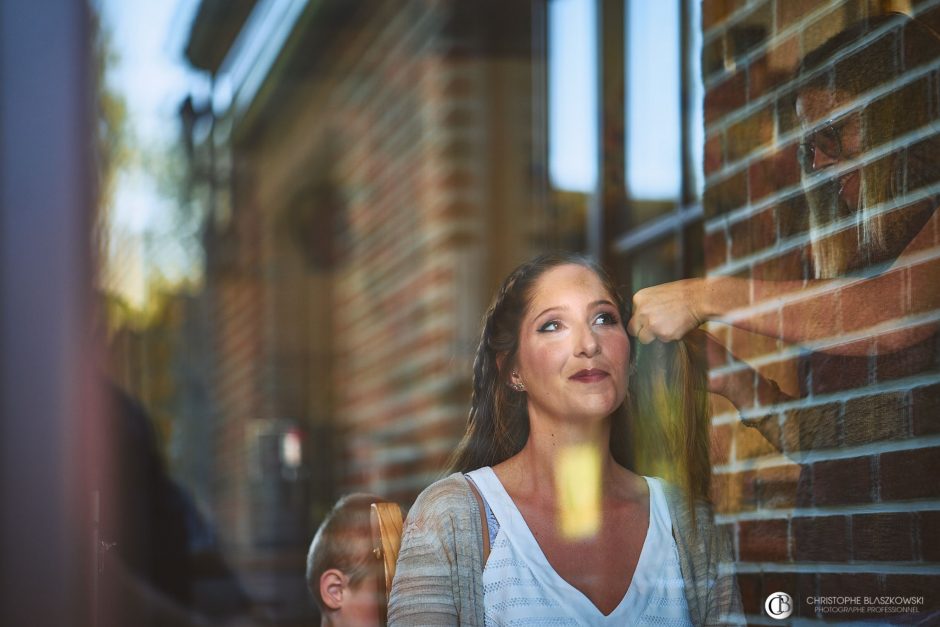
point(551, 325)
point(606, 319)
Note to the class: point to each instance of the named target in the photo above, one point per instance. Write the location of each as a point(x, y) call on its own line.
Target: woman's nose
point(588, 345)
point(822, 160)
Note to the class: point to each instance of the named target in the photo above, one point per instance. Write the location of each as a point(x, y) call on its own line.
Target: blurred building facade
point(370, 177)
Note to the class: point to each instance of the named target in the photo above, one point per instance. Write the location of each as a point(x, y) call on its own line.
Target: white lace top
point(521, 588)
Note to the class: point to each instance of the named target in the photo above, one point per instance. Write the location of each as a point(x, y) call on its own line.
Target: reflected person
point(343, 574)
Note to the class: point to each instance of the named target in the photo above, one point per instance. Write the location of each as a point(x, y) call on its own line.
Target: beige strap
point(386, 538)
point(486, 530)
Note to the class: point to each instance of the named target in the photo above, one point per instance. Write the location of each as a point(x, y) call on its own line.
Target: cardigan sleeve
point(437, 577)
point(724, 599)
point(706, 558)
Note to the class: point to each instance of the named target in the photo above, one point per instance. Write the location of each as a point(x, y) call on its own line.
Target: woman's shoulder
point(448, 496)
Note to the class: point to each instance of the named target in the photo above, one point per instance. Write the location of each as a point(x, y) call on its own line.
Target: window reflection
point(653, 99)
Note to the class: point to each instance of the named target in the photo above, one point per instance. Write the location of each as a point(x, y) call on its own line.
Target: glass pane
point(653, 265)
point(572, 95)
point(304, 209)
point(654, 122)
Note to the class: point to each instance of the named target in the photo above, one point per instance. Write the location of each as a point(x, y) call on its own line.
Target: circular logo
point(779, 605)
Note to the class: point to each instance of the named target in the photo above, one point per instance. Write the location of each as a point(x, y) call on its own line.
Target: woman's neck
point(559, 455)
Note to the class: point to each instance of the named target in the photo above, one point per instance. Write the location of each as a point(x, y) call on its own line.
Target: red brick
point(804, 487)
point(909, 361)
point(793, 216)
point(749, 134)
point(930, 17)
point(802, 312)
point(920, 40)
point(752, 597)
point(871, 75)
point(716, 249)
point(925, 409)
point(849, 585)
point(715, 12)
point(928, 525)
point(915, 585)
point(873, 418)
point(785, 106)
point(776, 486)
point(890, 289)
point(842, 481)
point(821, 539)
point(813, 428)
point(913, 118)
point(763, 540)
point(734, 492)
point(784, 372)
point(774, 172)
point(726, 195)
point(791, 11)
point(806, 586)
point(714, 158)
point(910, 474)
point(753, 234)
point(883, 537)
point(773, 68)
point(923, 287)
point(829, 24)
point(753, 30)
point(825, 373)
point(789, 266)
point(921, 215)
point(725, 97)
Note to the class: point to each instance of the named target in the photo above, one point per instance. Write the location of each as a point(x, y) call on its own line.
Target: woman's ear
point(333, 584)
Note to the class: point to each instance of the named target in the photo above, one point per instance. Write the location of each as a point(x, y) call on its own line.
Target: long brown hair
point(668, 435)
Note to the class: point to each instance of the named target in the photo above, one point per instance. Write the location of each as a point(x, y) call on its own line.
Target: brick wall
point(434, 105)
point(837, 492)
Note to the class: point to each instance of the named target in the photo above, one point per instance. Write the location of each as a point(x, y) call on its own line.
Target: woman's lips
point(592, 375)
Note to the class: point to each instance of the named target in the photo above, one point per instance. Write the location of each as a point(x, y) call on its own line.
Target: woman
point(542, 486)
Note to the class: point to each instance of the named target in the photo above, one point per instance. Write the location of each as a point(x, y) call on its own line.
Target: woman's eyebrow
point(596, 303)
point(556, 308)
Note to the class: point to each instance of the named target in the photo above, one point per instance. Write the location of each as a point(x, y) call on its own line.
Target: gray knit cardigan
point(438, 580)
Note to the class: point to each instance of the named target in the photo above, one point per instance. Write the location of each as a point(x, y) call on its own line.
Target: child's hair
point(343, 542)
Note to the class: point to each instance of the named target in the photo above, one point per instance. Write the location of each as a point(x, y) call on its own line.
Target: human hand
point(667, 312)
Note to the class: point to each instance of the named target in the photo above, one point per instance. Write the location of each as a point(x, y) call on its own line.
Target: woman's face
point(835, 141)
point(574, 353)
